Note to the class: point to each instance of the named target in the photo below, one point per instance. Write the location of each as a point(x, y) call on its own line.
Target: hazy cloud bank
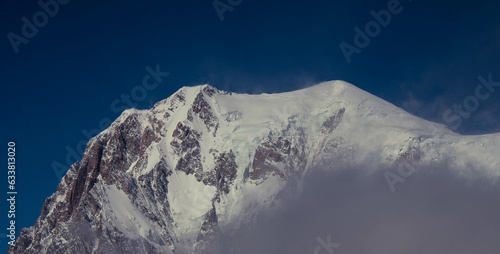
point(437, 210)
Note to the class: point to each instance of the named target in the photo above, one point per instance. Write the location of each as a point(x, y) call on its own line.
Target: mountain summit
point(204, 163)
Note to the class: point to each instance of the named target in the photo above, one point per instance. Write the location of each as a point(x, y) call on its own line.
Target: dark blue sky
point(67, 76)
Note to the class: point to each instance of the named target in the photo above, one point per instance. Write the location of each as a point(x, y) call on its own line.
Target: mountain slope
point(206, 162)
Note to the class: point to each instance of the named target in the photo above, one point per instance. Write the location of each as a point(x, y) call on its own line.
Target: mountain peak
point(204, 162)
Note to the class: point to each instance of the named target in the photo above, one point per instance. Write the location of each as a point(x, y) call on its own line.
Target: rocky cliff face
point(204, 162)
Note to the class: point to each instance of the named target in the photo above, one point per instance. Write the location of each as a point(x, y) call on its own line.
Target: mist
point(347, 210)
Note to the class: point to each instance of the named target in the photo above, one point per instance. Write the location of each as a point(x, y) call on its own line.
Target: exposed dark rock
point(409, 155)
point(279, 157)
point(185, 144)
point(202, 109)
point(333, 121)
point(224, 172)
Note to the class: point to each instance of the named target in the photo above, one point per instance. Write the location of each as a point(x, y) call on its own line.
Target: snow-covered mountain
point(205, 163)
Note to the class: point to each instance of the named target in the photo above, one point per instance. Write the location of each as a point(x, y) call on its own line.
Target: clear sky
point(63, 70)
